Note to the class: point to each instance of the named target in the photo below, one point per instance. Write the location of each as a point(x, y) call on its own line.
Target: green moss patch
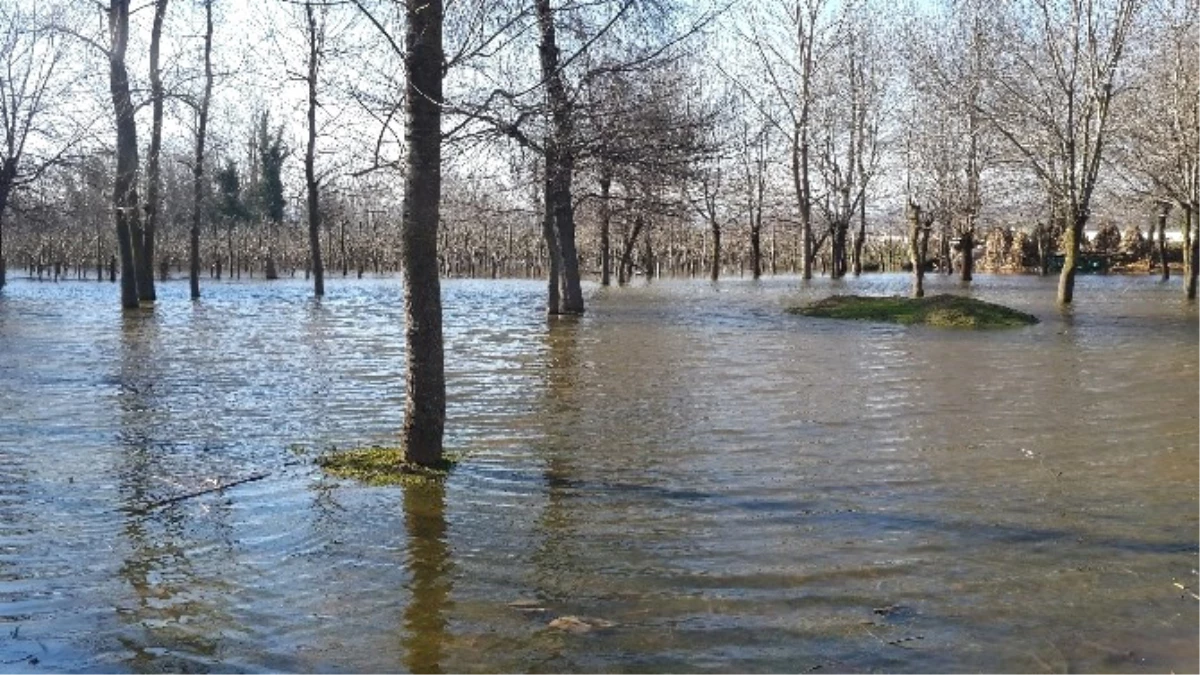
point(381, 466)
point(943, 311)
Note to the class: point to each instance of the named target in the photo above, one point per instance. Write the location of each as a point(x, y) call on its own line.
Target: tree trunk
point(125, 197)
point(1072, 236)
point(310, 175)
point(553, 252)
point(838, 249)
point(918, 237)
point(198, 168)
point(966, 241)
point(561, 161)
point(425, 393)
point(755, 247)
point(801, 184)
point(625, 273)
point(605, 229)
point(1162, 243)
point(7, 174)
point(715, 271)
point(1191, 251)
point(146, 290)
point(860, 238)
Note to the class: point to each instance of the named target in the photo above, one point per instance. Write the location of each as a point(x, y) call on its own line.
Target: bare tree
point(316, 39)
point(1056, 80)
point(198, 184)
point(33, 94)
point(755, 167)
point(790, 38)
point(948, 68)
point(1158, 139)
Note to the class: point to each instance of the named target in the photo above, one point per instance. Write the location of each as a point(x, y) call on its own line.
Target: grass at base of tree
point(381, 466)
point(943, 311)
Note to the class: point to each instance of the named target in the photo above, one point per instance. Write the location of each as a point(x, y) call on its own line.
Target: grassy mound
point(380, 466)
point(945, 311)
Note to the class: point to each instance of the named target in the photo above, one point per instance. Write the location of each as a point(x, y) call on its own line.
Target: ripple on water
point(733, 487)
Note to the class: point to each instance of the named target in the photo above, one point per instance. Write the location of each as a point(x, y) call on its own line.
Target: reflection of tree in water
point(430, 565)
point(559, 415)
point(172, 597)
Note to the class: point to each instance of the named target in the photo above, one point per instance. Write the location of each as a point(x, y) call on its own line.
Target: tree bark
point(425, 393)
point(310, 175)
point(125, 197)
point(198, 167)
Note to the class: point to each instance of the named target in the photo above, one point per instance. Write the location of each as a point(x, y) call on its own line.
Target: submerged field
point(685, 479)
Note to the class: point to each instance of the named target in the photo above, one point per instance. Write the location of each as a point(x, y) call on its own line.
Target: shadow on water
point(426, 618)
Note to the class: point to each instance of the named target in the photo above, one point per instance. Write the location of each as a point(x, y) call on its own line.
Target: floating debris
point(579, 624)
point(526, 605)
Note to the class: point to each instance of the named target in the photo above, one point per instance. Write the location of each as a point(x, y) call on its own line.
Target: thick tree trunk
point(561, 160)
point(310, 175)
point(198, 167)
point(125, 197)
point(425, 400)
point(966, 242)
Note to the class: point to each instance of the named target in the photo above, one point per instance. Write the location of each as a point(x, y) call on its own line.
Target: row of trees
point(795, 129)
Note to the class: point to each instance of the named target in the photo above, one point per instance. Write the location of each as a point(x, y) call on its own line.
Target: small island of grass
point(944, 311)
point(380, 466)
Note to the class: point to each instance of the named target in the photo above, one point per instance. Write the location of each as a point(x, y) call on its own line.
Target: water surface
point(735, 488)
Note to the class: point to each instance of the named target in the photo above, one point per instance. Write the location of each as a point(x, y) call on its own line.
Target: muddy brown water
point(713, 484)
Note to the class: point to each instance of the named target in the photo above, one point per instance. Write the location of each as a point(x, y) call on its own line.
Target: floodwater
point(730, 487)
